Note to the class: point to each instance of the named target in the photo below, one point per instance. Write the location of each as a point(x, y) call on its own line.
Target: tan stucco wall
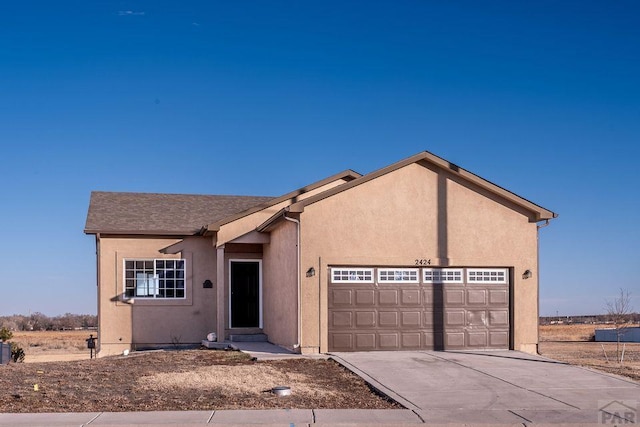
point(138, 323)
point(280, 290)
point(410, 214)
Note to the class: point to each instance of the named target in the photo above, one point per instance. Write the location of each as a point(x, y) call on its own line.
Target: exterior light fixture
point(527, 274)
point(311, 272)
point(207, 284)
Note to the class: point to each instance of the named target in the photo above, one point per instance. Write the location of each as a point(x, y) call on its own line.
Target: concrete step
point(248, 338)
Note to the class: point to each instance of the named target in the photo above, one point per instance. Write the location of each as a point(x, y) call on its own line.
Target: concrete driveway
point(496, 387)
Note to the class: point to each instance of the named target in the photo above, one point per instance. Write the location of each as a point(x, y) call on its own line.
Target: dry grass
point(244, 379)
point(571, 343)
point(568, 332)
point(50, 346)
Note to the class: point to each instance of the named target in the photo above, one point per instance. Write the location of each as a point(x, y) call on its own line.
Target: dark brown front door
point(245, 294)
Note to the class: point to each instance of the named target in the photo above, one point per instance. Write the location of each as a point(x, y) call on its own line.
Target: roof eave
point(346, 174)
point(273, 219)
point(183, 233)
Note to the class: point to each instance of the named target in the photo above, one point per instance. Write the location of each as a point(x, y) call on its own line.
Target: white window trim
point(503, 278)
point(445, 280)
point(354, 271)
point(155, 278)
point(415, 280)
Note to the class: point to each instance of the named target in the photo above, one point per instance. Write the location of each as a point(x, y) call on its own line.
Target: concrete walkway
point(279, 417)
point(268, 351)
point(496, 387)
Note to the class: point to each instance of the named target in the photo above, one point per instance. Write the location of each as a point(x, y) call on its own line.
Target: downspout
point(98, 288)
point(297, 222)
point(538, 227)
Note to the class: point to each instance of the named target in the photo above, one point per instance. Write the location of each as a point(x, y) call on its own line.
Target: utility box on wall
point(5, 353)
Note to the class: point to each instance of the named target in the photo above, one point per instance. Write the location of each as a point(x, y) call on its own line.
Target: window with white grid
point(154, 278)
point(352, 275)
point(442, 275)
point(496, 276)
point(398, 275)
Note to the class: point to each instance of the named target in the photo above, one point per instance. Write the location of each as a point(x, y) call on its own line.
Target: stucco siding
point(410, 214)
point(280, 286)
point(129, 324)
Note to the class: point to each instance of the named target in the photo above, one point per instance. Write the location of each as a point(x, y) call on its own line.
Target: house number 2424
point(423, 261)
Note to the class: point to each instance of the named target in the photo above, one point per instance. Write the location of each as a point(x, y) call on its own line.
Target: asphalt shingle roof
point(153, 213)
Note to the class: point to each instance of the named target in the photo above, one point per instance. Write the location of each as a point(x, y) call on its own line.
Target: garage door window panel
point(398, 275)
point(496, 276)
point(352, 275)
point(442, 275)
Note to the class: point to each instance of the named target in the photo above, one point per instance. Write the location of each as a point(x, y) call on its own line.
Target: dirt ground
point(571, 343)
point(181, 380)
point(67, 380)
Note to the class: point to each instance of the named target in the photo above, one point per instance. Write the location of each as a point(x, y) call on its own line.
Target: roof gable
point(536, 212)
point(292, 197)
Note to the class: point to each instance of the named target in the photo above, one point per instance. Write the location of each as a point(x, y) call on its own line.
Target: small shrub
point(5, 334)
point(176, 340)
point(17, 353)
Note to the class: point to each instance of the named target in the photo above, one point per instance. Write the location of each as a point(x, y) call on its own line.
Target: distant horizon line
point(635, 313)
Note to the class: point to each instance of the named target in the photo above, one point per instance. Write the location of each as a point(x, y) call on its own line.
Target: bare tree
point(619, 310)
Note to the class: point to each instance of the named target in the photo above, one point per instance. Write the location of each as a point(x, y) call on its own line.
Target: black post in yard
point(91, 344)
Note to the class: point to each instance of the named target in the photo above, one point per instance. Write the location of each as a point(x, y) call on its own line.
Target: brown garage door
point(375, 308)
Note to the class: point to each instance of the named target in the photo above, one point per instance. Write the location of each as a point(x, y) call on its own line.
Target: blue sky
point(261, 97)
